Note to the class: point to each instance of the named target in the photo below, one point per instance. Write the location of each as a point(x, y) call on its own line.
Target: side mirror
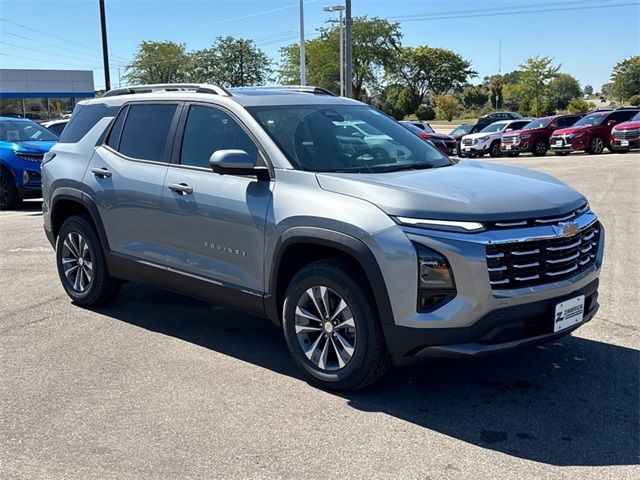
point(611, 122)
point(236, 162)
point(553, 126)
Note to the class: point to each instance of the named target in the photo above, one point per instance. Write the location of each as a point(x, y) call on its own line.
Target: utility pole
point(348, 60)
point(303, 68)
point(105, 48)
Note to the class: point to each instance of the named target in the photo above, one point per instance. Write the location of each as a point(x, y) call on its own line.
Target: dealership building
point(43, 94)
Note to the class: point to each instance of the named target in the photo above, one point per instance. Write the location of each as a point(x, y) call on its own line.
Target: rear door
point(127, 176)
point(215, 224)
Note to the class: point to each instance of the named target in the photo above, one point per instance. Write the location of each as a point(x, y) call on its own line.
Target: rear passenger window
point(83, 119)
point(116, 131)
point(207, 130)
point(623, 115)
point(146, 131)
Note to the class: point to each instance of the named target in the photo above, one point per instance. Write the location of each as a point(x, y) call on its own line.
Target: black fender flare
point(339, 241)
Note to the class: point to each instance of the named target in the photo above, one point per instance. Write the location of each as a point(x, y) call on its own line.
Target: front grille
point(30, 157)
point(626, 134)
point(451, 143)
point(510, 140)
point(467, 142)
point(536, 262)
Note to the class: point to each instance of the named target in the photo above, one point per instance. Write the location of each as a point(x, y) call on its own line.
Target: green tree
point(606, 89)
point(588, 90)
point(535, 75)
point(158, 62)
point(626, 78)
point(447, 106)
point(374, 43)
point(396, 101)
point(231, 62)
point(432, 70)
point(578, 105)
point(496, 94)
point(425, 113)
point(563, 89)
point(634, 100)
point(474, 97)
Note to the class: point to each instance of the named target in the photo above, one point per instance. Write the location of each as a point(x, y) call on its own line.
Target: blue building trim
point(47, 94)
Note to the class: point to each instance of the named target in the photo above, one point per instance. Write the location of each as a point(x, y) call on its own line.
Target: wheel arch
point(65, 205)
point(299, 246)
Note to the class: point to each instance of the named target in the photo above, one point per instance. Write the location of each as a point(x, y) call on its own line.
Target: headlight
point(485, 138)
point(436, 285)
point(447, 225)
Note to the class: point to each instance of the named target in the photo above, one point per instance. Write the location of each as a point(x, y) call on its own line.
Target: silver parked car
point(261, 199)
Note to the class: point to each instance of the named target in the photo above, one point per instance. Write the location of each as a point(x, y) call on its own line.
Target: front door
point(215, 223)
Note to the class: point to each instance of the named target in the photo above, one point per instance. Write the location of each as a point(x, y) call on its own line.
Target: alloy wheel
point(76, 262)
point(325, 328)
point(597, 145)
point(541, 148)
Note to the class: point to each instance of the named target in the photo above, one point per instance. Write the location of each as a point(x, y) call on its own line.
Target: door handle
point(180, 188)
point(101, 172)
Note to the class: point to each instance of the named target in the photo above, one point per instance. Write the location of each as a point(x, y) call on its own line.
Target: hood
point(469, 191)
point(569, 130)
point(627, 125)
point(481, 134)
point(28, 147)
point(515, 133)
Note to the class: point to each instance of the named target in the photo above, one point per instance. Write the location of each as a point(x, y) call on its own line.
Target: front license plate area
point(568, 313)
point(624, 143)
point(558, 143)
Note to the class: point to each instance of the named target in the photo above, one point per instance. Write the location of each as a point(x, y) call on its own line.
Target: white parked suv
point(488, 139)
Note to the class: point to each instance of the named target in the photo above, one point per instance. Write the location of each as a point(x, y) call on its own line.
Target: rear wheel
point(540, 148)
point(9, 196)
point(596, 146)
point(81, 264)
point(332, 331)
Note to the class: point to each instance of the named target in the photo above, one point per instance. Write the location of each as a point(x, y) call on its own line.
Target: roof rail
point(291, 88)
point(627, 107)
point(169, 87)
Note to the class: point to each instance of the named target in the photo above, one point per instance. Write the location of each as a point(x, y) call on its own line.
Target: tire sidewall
point(591, 144)
point(363, 318)
point(540, 152)
point(79, 225)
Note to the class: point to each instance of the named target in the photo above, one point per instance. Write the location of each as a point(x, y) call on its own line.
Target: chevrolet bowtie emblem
point(566, 229)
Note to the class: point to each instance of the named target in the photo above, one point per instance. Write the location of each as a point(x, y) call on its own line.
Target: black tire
point(9, 196)
point(370, 359)
point(596, 146)
point(540, 148)
point(101, 288)
point(494, 150)
point(562, 154)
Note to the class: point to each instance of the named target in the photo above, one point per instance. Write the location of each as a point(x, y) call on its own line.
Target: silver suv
point(367, 253)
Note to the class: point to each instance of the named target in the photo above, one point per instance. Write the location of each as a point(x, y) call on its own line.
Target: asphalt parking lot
point(158, 385)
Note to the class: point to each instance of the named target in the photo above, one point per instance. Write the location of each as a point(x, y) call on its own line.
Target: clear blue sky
point(586, 36)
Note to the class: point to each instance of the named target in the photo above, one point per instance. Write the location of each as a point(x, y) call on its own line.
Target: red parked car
point(444, 143)
point(626, 135)
point(534, 136)
point(591, 133)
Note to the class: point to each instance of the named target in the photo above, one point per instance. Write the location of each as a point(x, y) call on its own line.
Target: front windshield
point(336, 138)
point(494, 127)
point(24, 131)
point(460, 130)
point(537, 123)
point(591, 120)
point(636, 118)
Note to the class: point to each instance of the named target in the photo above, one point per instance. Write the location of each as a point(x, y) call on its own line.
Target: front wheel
point(9, 196)
point(596, 146)
point(494, 150)
point(540, 148)
point(332, 331)
point(81, 264)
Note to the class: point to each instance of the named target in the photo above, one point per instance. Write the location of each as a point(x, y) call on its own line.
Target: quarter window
point(146, 131)
point(208, 130)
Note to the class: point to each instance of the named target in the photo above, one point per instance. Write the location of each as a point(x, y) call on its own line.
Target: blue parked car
point(23, 143)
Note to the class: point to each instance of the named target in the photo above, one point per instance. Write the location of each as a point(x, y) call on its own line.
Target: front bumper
point(478, 149)
point(616, 144)
point(565, 144)
point(501, 330)
point(477, 309)
point(520, 147)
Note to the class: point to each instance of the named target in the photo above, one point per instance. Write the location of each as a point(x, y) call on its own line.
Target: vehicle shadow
point(33, 207)
point(573, 402)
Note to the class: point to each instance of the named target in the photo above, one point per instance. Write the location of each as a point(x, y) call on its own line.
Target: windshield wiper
point(413, 166)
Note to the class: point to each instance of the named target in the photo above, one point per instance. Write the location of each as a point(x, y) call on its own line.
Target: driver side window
point(208, 130)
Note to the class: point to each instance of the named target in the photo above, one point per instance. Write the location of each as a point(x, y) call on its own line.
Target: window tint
point(146, 131)
point(57, 128)
point(83, 119)
point(116, 131)
point(208, 130)
point(623, 115)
